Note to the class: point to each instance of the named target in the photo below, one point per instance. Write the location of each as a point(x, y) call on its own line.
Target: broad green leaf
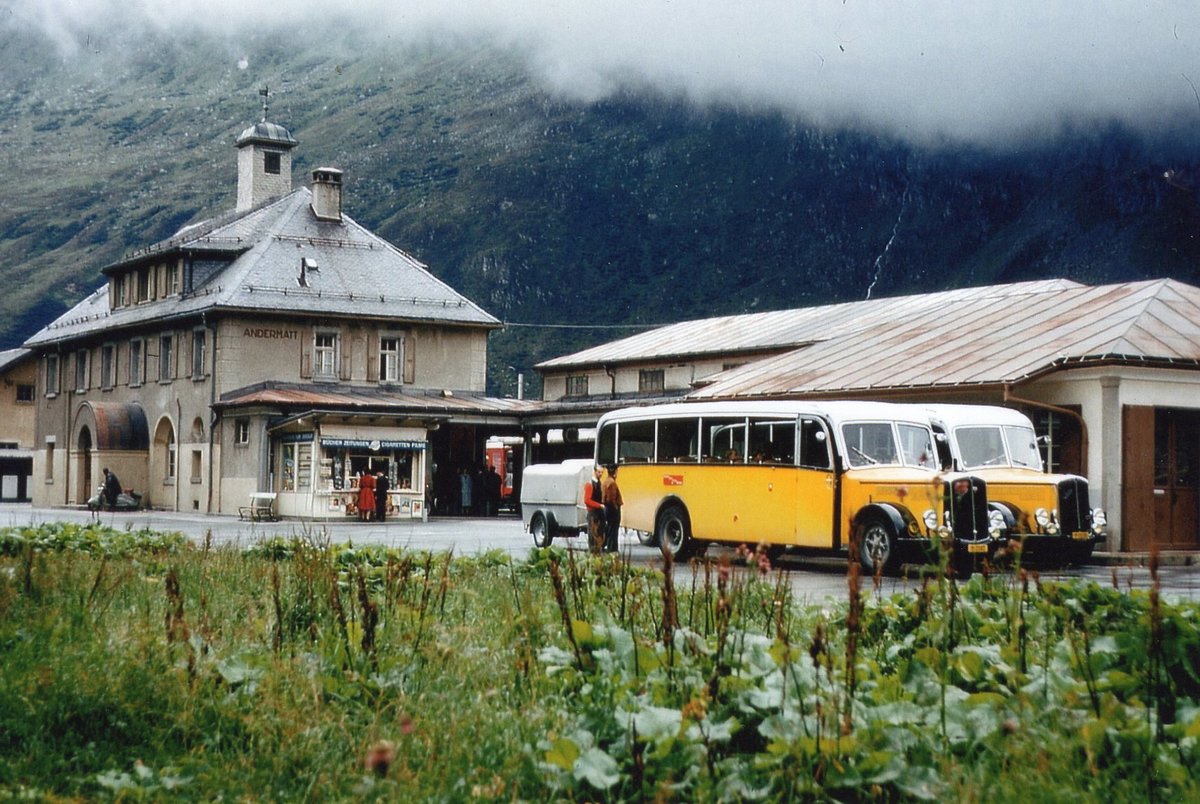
point(597, 769)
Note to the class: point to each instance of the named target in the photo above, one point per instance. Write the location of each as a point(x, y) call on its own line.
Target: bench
point(260, 509)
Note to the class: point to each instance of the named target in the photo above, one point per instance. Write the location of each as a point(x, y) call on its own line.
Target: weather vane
point(266, 96)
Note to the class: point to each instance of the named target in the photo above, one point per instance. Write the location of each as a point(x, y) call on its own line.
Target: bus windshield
point(1023, 447)
point(993, 445)
point(872, 443)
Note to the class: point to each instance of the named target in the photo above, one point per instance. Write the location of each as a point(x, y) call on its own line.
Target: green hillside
point(635, 210)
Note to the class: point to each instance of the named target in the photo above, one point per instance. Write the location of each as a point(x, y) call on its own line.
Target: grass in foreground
point(135, 666)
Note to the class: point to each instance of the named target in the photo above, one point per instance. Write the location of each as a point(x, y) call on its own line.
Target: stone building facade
point(278, 348)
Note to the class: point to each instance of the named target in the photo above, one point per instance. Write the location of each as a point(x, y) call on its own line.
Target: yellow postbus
point(792, 474)
point(1050, 514)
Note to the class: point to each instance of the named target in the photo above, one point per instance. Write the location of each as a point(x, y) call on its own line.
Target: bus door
point(816, 485)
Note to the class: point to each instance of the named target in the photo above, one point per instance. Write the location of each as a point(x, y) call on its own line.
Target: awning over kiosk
point(363, 436)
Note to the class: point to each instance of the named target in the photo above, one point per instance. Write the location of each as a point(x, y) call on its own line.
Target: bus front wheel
point(539, 528)
point(673, 531)
point(876, 544)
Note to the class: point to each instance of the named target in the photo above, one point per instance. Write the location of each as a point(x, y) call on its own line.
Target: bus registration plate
point(1080, 535)
point(976, 548)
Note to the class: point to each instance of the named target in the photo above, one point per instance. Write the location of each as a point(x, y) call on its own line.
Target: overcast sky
point(982, 71)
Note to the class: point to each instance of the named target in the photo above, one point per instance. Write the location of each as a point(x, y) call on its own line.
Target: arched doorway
point(163, 464)
point(83, 470)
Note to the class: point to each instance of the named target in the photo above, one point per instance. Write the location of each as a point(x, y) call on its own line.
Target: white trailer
point(552, 499)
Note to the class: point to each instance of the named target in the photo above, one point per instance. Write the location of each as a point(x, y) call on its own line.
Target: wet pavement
point(811, 578)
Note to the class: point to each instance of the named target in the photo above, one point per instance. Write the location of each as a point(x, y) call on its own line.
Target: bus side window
point(726, 439)
point(635, 441)
point(677, 440)
point(772, 441)
point(814, 445)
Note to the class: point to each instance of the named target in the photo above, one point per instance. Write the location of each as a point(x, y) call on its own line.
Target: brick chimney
point(327, 194)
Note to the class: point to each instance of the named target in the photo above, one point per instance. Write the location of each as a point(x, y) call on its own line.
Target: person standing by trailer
point(593, 500)
point(381, 496)
point(112, 489)
point(611, 494)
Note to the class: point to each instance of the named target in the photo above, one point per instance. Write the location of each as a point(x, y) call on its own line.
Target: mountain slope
point(632, 211)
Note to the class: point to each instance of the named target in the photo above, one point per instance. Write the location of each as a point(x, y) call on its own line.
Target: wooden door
point(1177, 477)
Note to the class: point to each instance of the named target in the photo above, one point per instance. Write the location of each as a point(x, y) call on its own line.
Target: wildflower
point(379, 758)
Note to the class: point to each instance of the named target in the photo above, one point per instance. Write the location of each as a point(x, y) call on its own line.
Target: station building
point(280, 348)
point(1110, 373)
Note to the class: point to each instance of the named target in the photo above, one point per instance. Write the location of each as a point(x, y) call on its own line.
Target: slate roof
point(990, 336)
point(358, 274)
point(10, 358)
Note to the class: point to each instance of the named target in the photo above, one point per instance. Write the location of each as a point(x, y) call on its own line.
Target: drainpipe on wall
point(178, 435)
point(612, 381)
point(212, 413)
point(67, 434)
point(1009, 396)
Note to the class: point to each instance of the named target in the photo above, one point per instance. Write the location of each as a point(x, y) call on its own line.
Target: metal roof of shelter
point(357, 273)
point(382, 400)
point(782, 329)
point(984, 336)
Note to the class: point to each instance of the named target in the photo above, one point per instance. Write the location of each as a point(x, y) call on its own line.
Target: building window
point(241, 432)
point(143, 285)
point(577, 385)
point(391, 355)
point(650, 381)
point(170, 457)
point(81, 370)
point(51, 375)
point(172, 280)
point(50, 459)
point(165, 343)
point(25, 393)
point(119, 285)
point(108, 365)
point(197, 466)
point(135, 362)
point(272, 163)
point(325, 354)
point(198, 353)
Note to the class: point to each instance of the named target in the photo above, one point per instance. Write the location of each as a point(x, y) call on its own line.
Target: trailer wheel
point(673, 531)
point(539, 528)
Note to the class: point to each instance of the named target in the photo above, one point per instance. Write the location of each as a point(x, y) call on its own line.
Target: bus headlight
point(995, 524)
point(1099, 521)
point(1042, 517)
point(930, 518)
point(1053, 528)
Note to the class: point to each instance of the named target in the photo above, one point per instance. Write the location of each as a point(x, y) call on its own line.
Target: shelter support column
point(1104, 464)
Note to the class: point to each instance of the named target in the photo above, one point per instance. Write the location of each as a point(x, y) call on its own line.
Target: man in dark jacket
point(381, 498)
